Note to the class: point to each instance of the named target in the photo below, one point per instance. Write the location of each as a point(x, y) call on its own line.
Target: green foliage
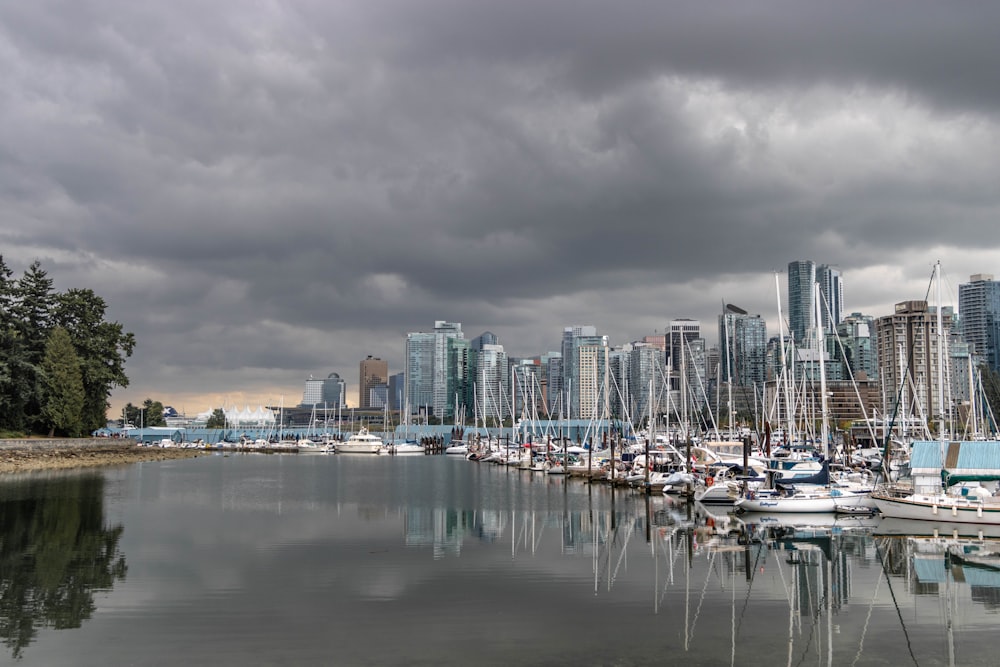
point(150, 413)
point(63, 396)
point(217, 420)
point(991, 388)
point(153, 413)
point(29, 312)
point(102, 347)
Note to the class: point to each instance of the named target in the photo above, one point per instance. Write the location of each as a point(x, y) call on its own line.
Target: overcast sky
point(264, 191)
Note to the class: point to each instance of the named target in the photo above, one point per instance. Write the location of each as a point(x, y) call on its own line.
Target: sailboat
point(818, 495)
point(947, 477)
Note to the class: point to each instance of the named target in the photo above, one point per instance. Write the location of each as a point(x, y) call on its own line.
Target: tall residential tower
point(979, 308)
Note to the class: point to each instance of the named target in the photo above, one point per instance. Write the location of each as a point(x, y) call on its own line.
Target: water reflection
point(811, 588)
point(246, 560)
point(55, 553)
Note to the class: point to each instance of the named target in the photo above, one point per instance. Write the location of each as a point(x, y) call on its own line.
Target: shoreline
point(27, 455)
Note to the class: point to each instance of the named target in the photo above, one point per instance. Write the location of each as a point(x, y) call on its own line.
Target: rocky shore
point(40, 454)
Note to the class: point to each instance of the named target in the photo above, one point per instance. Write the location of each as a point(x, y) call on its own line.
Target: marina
point(357, 560)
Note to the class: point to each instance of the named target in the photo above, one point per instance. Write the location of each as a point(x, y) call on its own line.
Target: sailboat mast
point(729, 370)
point(784, 366)
point(940, 351)
point(821, 344)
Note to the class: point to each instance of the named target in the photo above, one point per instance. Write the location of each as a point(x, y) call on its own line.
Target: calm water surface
point(366, 560)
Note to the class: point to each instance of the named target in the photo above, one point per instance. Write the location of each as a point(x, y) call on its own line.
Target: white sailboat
point(950, 481)
point(813, 498)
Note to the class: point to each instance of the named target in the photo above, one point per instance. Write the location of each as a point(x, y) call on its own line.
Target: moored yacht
point(951, 481)
point(361, 442)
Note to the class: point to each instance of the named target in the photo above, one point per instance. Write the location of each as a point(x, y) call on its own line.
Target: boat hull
point(791, 504)
point(364, 448)
point(938, 508)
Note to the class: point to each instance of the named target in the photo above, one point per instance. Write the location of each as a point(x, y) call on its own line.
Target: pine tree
point(62, 396)
point(217, 420)
point(102, 347)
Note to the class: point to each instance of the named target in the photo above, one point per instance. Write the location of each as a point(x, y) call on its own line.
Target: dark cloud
point(267, 191)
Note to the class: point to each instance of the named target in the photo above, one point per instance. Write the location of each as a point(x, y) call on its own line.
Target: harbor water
point(292, 559)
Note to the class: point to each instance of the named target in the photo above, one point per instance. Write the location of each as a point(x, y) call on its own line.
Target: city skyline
point(263, 192)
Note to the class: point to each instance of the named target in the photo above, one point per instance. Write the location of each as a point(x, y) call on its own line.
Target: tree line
point(59, 357)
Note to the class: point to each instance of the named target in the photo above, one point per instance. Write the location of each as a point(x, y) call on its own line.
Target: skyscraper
point(570, 366)
point(743, 347)
point(979, 308)
point(801, 276)
point(430, 379)
point(592, 390)
point(489, 364)
point(908, 345)
point(646, 371)
point(327, 393)
point(374, 371)
point(831, 286)
point(686, 353)
point(856, 333)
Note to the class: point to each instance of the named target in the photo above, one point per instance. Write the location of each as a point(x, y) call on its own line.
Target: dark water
point(364, 560)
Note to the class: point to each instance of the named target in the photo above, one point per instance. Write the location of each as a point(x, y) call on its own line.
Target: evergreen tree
point(102, 347)
point(6, 295)
point(16, 371)
point(32, 308)
point(32, 311)
point(132, 415)
point(217, 420)
point(62, 396)
point(17, 377)
point(153, 412)
point(29, 311)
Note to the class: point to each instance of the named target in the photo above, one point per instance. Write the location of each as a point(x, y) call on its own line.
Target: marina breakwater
point(27, 454)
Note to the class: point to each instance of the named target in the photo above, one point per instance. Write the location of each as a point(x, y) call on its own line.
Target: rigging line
point(809, 638)
point(895, 602)
point(868, 618)
point(671, 558)
point(746, 598)
point(701, 600)
point(614, 575)
point(732, 618)
point(884, 468)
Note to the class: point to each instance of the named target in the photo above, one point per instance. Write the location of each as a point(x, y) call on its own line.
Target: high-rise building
point(378, 396)
point(685, 353)
point(680, 332)
point(430, 373)
point(592, 387)
point(396, 390)
point(570, 367)
point(489, 365)
point(979, 308)
point(801, 277)
point(857, 336)
point(527, 388)
point(553, 364)
point(374, 371)
point(908, 347)
point(742, 347)
point(831, 286)
point(646, 381)
point(327, 393)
